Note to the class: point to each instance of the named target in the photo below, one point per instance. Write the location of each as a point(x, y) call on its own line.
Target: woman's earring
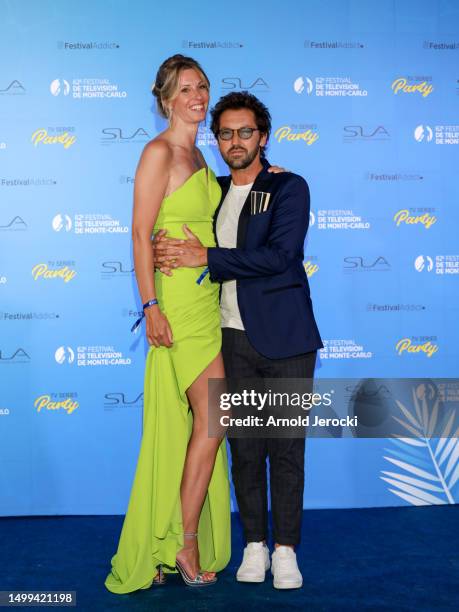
point(169, 116)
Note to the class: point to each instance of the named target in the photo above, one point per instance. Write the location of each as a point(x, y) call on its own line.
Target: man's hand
point(173, 253)
point(156, 241)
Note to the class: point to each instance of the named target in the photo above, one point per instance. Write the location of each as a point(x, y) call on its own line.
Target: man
point(268, 323)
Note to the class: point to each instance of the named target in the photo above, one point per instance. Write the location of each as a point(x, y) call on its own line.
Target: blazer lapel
point(261, 183)
point(224, 182)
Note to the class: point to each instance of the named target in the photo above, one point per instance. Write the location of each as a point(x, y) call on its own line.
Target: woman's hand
point(277, 169)
point(159, 332)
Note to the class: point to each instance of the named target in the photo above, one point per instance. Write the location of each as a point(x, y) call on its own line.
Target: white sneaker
point(255, 563)
point(285, 570)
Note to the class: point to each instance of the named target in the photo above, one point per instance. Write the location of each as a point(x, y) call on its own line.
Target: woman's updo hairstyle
point(165, 87)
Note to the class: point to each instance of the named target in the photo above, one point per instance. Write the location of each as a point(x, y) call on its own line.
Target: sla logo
point(116, 135)
point(359, 133)
point(14, 88)
point(60, 87)
point(19, 356)
point(359, 263)
point(236, 83)
point(121, 399)
point(423, 133)
point(116, 267)
point(64, 354)
point(300, 84)
point(312, 218)
point(61, 222)
point(423, 262)
point(17, 223)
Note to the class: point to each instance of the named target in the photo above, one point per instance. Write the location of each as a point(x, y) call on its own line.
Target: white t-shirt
point(227, 223)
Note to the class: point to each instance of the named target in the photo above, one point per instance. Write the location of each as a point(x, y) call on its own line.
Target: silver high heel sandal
point(198, 580)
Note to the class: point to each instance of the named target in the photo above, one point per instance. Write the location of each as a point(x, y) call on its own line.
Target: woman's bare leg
point(199, 464)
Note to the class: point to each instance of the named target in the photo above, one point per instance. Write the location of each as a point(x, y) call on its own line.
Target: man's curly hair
point(237, 100)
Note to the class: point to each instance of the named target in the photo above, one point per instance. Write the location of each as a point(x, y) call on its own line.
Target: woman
point(180, 496)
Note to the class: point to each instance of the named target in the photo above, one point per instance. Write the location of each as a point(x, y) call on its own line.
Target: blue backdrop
point(364, 100)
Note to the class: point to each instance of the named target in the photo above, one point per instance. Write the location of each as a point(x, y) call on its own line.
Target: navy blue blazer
point(272, 287)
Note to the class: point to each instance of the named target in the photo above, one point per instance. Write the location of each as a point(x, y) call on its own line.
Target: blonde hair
point(166, 84)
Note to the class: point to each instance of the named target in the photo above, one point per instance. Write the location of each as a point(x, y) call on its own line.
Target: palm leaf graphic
point(430, 465)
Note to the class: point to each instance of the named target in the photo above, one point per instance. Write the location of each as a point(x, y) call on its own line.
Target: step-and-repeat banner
point(364, 101)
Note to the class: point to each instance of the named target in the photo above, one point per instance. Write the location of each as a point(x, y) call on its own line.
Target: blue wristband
point(136, 325)
point(150, 303)
point(202, 276)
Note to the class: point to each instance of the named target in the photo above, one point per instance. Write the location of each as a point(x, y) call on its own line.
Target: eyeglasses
point(244, 133)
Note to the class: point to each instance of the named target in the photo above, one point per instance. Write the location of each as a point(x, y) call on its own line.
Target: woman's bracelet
point(150, 303)
point(136, 325)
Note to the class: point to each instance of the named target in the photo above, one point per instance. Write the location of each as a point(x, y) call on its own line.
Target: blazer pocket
point(259, 202)
point(293, 286)
point(260, 214)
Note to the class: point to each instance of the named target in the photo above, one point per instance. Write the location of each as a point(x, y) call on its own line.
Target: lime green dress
point(152, 532)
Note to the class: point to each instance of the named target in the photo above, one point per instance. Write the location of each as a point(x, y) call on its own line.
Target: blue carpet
point(402, 558)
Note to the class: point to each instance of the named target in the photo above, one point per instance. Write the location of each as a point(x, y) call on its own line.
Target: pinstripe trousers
point(249, 455)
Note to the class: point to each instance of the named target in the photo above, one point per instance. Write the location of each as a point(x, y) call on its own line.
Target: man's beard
point(241, 162)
